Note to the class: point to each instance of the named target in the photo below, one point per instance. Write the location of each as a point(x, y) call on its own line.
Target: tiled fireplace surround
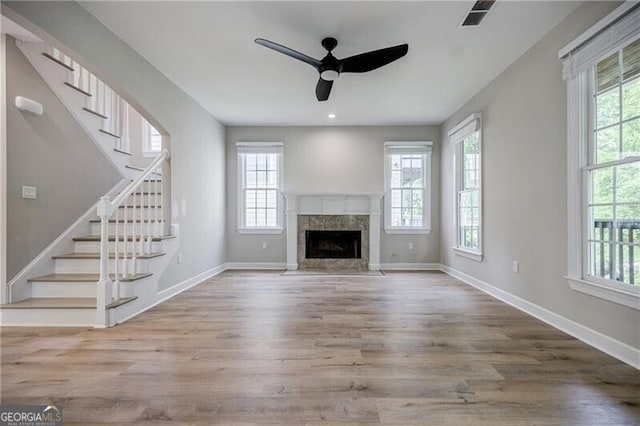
point(341, 212)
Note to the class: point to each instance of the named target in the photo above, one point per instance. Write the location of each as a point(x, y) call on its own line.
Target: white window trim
point(456, 135)
point(606, 36)
point(279, 228)
point(426, 229)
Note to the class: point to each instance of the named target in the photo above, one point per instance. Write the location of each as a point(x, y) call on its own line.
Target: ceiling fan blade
point(371, 60)
point(323, 88)
point(289, 52)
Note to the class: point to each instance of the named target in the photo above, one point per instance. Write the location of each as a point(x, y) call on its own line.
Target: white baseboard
point(179, 288)
point(255, 265)
point(410, 266)
point(606, 344)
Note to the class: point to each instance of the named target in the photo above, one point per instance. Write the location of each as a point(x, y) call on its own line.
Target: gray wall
point(197, 138)
point(525, 185)
point(52, 153)
point(332, 160)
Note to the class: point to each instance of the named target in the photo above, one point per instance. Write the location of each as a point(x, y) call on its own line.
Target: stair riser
point(49, 317)
point(94, 246)
point(143, 213)
point(92, 266)
point(63, 289)
point(155, 228)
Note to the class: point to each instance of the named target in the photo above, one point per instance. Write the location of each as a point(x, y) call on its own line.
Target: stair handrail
point(141, 239)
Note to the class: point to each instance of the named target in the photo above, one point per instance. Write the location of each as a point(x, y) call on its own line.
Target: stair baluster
point(116, 282)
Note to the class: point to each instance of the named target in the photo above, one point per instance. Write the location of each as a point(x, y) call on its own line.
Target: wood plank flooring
point(258, 348)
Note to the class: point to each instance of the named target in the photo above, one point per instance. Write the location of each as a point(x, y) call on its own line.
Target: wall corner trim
point(606, 344)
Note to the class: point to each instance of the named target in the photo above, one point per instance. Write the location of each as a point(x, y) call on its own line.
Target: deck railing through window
point(616, 250)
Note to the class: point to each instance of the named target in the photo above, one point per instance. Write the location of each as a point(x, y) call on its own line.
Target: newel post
point(103, 296)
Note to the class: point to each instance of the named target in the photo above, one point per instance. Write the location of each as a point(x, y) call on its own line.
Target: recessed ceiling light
point(331, 115)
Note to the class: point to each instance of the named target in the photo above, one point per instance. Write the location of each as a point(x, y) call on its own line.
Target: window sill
point(407, 230)
point(151, 154)
point(616, 293)
point(468, 254)
point(260, 230)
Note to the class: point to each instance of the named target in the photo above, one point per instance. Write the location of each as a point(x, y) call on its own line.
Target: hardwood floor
point(254, 348)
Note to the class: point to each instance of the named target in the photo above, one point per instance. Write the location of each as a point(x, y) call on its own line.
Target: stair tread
point(53, 303)
point(128, 166)
point(120, 151)
point(120, 221)
point(120, 238)
point(84, 277)
point(63, 303)
point(106, 132)
point(96, 113)
point(84, 92)
point(57, 61)
point(111, 255)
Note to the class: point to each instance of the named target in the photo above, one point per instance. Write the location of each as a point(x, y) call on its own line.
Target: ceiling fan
point(331, 67)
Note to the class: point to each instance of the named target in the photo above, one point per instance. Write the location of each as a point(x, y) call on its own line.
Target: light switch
point(29, 192)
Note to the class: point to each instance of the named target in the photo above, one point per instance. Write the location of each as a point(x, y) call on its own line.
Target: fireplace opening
point(333, 245)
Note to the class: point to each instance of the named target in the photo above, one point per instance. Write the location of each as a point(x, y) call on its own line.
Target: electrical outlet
point(179, 258)
point(410, 246)
point(515, 266)
point(264, 246)
point(29, 192)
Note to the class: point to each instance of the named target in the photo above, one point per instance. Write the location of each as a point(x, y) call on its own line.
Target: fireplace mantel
point(333, 204)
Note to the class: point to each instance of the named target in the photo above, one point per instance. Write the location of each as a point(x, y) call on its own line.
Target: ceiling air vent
point(477, 13)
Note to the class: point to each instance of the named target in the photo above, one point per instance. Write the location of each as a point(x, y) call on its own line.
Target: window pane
point(607, 73)
point(396, 178)
point(272, 179)
point(396, 198)
point(631, 99)
point(628, 183)
point(631, 138)
point(607, 144)
point(608, 107)
point(406, 198)
point(262, 179)
point(417, 208)
point(396, 217)
point(261, 218)
point(261, 161)
point(261, 199)
point(250, 161)
point(250, 198)
point(250, 219)
point(272, 217)
point(272, 162)
point(251, 179)
point(272, 199)
point(631, 60)
point(602, 189)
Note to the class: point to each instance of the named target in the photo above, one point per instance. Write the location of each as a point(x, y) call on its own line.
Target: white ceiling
point(207, 49)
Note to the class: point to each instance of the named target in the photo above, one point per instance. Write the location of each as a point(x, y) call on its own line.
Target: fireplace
point(333, 245)
point(359, 213)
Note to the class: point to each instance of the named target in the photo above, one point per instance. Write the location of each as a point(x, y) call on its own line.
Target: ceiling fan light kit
point(331, 67)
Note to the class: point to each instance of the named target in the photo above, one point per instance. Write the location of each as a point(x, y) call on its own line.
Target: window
point(151, 140)
point(603, 77)
point(408, 187)
point(259, 182)
point(466, 141)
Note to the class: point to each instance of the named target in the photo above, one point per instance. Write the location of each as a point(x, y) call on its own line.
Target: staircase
point(111, 273)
